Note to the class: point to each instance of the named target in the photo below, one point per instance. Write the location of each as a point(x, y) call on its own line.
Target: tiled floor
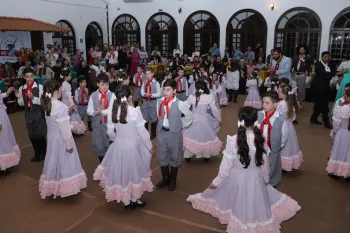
point(325, 202)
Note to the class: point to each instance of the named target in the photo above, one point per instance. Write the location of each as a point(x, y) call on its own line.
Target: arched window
point(298, 26)
point(126, 30)
point(93, 36)
point(339, 40)
point(201, 31)
point(246, 28)
point(161, 31)
point(65, 39)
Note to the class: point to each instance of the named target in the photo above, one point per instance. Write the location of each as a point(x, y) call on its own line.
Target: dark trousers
point(321, 105)
point(232, 94)
point(39, 146)
point(243, 86)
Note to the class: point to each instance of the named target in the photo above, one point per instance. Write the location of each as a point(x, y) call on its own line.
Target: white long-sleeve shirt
point(158, 92)
point(35, 100)
point(183, 107)
point(91, 108)
point(284, 128)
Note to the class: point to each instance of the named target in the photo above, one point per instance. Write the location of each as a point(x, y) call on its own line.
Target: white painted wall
point(224, 9)
point(79, 13)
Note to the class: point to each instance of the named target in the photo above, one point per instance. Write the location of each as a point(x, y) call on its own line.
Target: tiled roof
point(27, 24)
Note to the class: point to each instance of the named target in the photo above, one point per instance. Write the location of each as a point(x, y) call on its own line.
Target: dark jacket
point(304, 65)
point(322, 77)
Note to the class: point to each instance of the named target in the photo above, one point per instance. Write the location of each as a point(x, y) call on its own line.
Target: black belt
point(146, 98)
point(165, 129)
point(84, 104)
point(180, 91)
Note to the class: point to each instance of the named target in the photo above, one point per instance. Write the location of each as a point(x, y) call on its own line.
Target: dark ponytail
point(276, 83)
point(249, 115)
point(64, 74)
point(291, 100)
point(201, 85)
point(220, 75)
point(49, 88)
point(123, 92)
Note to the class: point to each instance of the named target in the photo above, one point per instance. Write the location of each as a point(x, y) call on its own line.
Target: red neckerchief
point(267, 122)
point(202, 73)
point(29, 89)
point(179, 83)
point(214, 82)
point(148, 89)
point(346, 102)
point(83, 92)
point(139, 80)
point(112, 55)
point(278, 64)
point(166, 104)
point(105, 105)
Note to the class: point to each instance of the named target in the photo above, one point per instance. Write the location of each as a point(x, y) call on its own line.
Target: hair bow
point(200, 91)
point(273, 83)
point(48, 95)
point(123, 99)
point(121, 70)
point(241, 123)
point(290, 92)
point(61, 76)
point(120, 79)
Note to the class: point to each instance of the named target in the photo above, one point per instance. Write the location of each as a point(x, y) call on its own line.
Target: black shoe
point(328, 125)
point(35, 159)
point(295, 122)
point(188, 160)
point(206, 159)
point(347, 179)
point(173, 176)
point(131, 205)
point(235, 101)
point(89, 125)
point(331, 175)
point(139, 203)
point(6, 172)
point(166, 177)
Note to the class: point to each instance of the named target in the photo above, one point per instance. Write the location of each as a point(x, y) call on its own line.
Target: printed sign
point(10, 42)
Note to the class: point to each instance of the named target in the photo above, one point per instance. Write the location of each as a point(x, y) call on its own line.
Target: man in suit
point(302, 68)
point(281, 64)
point(320, 86)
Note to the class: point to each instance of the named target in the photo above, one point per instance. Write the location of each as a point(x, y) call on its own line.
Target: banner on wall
point(10, 41)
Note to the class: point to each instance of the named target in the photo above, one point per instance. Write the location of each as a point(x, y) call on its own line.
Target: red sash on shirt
point(83, 92)
point(179, 83)
point(166, 104)
point(29, 89)
point(267, 122)
point(278, 65)
point(105, 105)
point(148, 89)
point(345, 102)
point(139, 80)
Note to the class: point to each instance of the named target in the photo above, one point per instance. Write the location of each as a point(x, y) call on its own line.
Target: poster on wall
point(10, 41)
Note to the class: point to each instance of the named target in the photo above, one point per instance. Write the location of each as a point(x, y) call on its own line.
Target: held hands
point(30, 95)
point(18, 94)
point(212, 186)
point(70, 150)
point(9, 91)
point(97, 111)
